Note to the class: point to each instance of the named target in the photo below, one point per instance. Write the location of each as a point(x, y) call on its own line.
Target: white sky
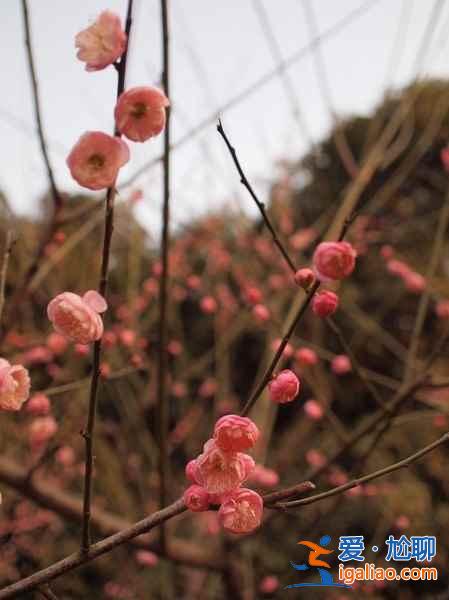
point(218, 50)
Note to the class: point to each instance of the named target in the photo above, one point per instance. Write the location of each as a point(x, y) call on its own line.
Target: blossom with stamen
point(140, 113)
point(241, 512)
point(96, 159)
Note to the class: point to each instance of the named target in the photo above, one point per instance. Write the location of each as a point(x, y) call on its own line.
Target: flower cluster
point(218, 473)
point(96, 158)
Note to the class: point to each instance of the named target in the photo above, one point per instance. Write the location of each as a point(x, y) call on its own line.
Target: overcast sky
point(219, 49)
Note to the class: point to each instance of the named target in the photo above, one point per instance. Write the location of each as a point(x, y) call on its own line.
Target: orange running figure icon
point(315, 552)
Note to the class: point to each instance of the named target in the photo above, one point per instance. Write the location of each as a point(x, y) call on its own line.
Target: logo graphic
point(316, 550)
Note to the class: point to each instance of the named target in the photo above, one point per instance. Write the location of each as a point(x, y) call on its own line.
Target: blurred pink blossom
point(96, 159)
point(140, 113)
point(14, 385)
point(78, 317)
point(102, 43)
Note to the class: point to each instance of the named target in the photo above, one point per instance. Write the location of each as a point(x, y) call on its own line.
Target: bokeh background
point(285, 120)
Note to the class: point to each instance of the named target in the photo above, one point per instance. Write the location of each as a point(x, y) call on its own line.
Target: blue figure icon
point(316, 550)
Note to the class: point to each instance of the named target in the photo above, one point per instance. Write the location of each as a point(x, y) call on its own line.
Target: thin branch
point(355, 363)
point(46, 592)
point(21, 292)
point(162, 400)
point(437, 249)
point(359, 481)
point(264, 80)
point(292, 492)
point(9, 242)
point(94, 551)
point(57, 200)
point(289, 88)
point(339, 136)
point(70, 508)
point(88, 433)
point(270, 370)
point(260, 205)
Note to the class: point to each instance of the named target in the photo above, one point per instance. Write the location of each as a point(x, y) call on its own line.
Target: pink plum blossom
point(140, 113)
point(269, 584)
point(221, 472)
point(304, 278)
point(444, 155)
point(241, 512)
point(208, 305)
point(315, 458)
point(442, 309)
point(261, 313)
point(233, 433)
point(190, 471)
point(264, 477)
point(414, 282)
point(57, 343)
point(341, 364)
point(306, 356)
point(38, 404)
point(41, 430)
point(313, 410)
point(96, 158)
point(196, 498)
point(334, 260)
point(78, 317)
point(146, 558)
point(325, 303)
point(102, 43)
point(14, 386)
point(284, 387)
point(288, 348)
point(66, 456)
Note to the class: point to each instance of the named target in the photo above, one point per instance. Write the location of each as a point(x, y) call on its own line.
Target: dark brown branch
point(270, 370)
point(162, 400)
point(9, 242)
point(260, 205)
point(292, 492)
point(88, 433)
point(94, 551)
point(70, 508)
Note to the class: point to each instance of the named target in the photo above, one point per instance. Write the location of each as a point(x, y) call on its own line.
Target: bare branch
point(359, 481)
point(162, 400)
point(88, 433)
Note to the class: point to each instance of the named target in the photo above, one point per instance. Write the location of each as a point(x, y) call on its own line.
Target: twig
point(57, 200)
point(70, 508)
point(260, 205)
point(360, 480)
point(295, 490)
point(9, 242)
point(295, 57)
point(23, 289)
point(94, 551)
point(162, 400)
point(270, 370)
point(355, 363)
point(437, 248)
point(339, 136)
point(88, 433)
point(46, 592)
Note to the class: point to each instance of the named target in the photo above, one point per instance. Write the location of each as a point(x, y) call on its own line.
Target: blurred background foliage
point(218, 350)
